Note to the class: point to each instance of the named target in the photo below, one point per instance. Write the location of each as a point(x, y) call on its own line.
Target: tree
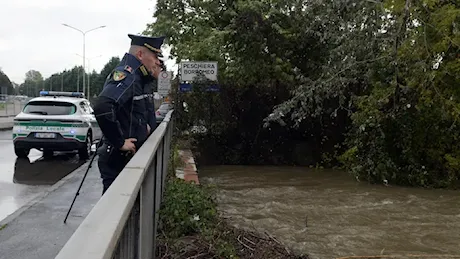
point(251, 41)
point(266, 50)
point(406, 130)
point(32, 85)
point(67, 80)
point(6, 87)
point(33, 75)
point(99, 80)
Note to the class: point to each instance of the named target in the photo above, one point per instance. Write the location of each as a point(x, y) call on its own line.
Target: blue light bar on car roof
point(62, 94)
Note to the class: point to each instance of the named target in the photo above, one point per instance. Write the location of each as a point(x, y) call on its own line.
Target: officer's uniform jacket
point(123, 108)
point(150, 112)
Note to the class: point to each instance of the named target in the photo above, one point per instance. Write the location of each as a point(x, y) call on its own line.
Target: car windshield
point(50, 108)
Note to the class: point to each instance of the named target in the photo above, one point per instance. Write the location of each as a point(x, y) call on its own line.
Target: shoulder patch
point(118, 75)
point(129, 69)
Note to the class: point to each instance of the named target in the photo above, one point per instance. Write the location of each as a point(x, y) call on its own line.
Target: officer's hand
point(129, 145)
point(148, 129)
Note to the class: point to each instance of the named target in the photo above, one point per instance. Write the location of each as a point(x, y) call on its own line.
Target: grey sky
point(32, 35)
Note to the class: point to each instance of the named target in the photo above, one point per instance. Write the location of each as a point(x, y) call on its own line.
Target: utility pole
point(88, 60)
point(84, 59)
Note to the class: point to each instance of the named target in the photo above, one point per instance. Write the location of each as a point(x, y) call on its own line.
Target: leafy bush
point(187, 208)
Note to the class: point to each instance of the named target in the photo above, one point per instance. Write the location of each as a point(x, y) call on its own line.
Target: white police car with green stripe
point(56, 121)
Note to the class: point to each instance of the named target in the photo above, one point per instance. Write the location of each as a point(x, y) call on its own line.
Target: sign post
point(164, 83)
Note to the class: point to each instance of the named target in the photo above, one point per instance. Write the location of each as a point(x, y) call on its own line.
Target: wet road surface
point(23, 179)
point(327, 214)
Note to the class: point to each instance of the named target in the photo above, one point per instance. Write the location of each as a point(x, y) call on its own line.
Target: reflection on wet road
point(23, 179)
point(45, 171)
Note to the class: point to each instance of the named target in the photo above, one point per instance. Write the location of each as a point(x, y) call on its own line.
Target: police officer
point(122, 109)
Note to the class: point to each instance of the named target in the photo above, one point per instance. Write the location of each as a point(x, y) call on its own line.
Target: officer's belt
point(140, 97)
point(108, 148)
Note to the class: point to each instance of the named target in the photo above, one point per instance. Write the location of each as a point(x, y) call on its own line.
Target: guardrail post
point(147, 231)
point(128, 244)
point(158, 188)
point(167, 149)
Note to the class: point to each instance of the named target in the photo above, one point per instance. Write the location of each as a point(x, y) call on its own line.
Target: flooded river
point(327, 214)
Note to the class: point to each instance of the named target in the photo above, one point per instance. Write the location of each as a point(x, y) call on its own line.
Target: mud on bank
point(225, 241)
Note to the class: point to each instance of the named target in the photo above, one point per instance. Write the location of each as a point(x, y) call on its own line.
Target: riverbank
point(192, 227)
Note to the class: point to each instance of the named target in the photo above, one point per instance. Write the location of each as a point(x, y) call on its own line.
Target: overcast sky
point(32, 35)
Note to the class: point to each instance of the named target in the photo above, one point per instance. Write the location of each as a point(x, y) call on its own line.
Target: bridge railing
point(123, 224)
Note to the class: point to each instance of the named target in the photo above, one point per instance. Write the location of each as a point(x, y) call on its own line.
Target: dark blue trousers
point(111, 163)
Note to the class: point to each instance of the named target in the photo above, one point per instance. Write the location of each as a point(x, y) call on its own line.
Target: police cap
point(151, 43)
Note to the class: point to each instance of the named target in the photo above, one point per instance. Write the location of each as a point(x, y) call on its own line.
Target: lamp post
point(89, 70)
point(84, 35)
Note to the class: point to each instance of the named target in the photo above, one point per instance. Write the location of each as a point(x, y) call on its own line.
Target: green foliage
point(99, 79)
point(190, 210)
point(406, 129)
point(247, 40)
point(375, 81)
point(5, 84)
point(33, 75)
point(67, 80)
point(187, 208)
point(174, 160)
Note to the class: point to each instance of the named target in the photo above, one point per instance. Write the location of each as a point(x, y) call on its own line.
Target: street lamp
point(89, 70)
point(84, 34)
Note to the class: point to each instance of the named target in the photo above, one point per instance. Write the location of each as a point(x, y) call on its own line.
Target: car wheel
point(85, 151)
point(21, 153)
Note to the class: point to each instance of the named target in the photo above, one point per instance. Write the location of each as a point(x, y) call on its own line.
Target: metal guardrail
point(123, 224)
point(11, 108)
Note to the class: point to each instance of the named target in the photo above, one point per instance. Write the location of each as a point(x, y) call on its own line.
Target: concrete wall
point(188, 172)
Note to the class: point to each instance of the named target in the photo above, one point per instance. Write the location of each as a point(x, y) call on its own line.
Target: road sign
point(164, 82)
point(187, 87)
point(190, 69)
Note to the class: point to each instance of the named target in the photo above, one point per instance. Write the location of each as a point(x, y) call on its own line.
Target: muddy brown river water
point(327, 214)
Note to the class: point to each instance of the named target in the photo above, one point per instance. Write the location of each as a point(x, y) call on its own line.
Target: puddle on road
point(32, 176)
point(21, 180)
point(45, 171)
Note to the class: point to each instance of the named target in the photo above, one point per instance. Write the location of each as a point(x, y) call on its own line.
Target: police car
point(56, 121)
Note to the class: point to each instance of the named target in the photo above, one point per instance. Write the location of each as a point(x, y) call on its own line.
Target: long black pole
point(81, 184)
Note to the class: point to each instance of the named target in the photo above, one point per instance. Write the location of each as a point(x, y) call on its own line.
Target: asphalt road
point(23, 179)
